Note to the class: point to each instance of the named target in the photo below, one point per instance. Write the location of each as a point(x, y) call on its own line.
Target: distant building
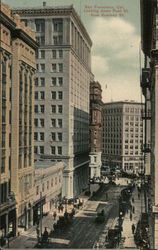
point(95, 129)
point(149, 84)
point(62, 91)
point(48, 187)
point(123, 136)
point(17, 70)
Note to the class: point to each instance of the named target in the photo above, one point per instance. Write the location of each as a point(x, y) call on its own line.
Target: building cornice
point(6, 21)
point(122, 103)
point(55, 11)
point(19, 33)
point(15, 27)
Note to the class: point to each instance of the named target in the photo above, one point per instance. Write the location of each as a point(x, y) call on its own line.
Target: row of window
point(132, 153)
point(113, 124)
point(131, 146)
point(117, 152)
point(112, 146)
point(132, 141)
point(115, 110)
point(57, 25)
point(132, 129)
point(54, 150)
point(132, 110)
point(113, 152)
point(112, 140)
point(57, 39)
point(119, 118)
point(55, 109)
point(55, 136)
point(56, 81)
point(119, 110)
point(133, 124)
point(56, 67)
point(109, 136)
point(55, 123)
point(48, 184)
point(55, 54)
point(40, 95)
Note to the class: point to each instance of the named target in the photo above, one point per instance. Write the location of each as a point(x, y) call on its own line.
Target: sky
point(114, 28)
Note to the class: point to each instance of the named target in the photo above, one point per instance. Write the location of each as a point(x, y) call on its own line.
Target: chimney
point(44, 4)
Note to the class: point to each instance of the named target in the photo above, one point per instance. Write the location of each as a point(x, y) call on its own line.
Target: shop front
point(38, 210)
point(7, 221)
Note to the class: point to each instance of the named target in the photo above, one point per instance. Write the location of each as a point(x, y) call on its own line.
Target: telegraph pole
point(41, 213)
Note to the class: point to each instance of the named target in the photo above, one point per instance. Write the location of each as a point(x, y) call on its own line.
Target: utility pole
point(41, 213)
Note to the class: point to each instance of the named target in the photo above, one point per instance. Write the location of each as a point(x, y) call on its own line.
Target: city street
point(84, 231)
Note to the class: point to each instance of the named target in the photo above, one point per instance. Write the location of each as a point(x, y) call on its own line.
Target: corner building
point(95, 129)
point(17, 71)
point(62, 91)
point(123, 136)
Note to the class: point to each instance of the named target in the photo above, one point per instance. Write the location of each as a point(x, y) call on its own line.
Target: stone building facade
point(17, 70)
point(123, 136)
point(62, 91)
point(149, 84)
point(48, 187)
point(95, 129)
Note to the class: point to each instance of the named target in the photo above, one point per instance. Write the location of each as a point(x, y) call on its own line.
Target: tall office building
point(149, 84)
point(123, 136)
point(17, 70)
point(95, 129)
point(62, 91)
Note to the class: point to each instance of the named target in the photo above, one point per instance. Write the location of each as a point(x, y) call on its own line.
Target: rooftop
point(53, 11)
point(123, 102)
point(16, 20)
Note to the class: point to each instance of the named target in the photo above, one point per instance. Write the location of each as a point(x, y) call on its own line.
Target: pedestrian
point(59, 208)
point(133, 228)
point(133, 199)
point(55, 215)
point(37, 231)
point(130, 216)
point(45, 235)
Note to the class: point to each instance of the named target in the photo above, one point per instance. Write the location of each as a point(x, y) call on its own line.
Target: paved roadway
point(84, 232)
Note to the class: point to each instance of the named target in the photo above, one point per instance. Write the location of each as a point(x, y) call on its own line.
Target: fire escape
point(146, 147)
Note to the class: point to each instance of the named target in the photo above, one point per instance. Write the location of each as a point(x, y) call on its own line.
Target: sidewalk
point(127, 234)
point(28, 239)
